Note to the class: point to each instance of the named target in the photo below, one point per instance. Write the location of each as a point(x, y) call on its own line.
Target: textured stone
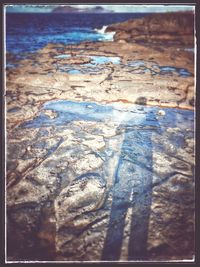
point(173, 27)
point(79, 182)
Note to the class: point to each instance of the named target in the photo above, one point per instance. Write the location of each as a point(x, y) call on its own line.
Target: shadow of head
point(141, 101)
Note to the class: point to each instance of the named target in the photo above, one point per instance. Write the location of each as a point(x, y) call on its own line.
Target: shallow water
point(140, 67)
point(103, 60)
point(170, 70)
point(74, 71)
point(190, 49)
point(187, 49)
point(137, 66)
point(68, 111)
point(15, 109)
point(136, 63)
point(11, 66)
point(63, 56)
point(92, 67)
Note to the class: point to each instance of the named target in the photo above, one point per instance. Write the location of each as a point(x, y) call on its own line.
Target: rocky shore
point(100, 146)
point(174, 29)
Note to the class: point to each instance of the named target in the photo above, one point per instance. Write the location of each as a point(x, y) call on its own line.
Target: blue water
point(93, 67)
point(170, 70)
point(26, 33)
point(68, 111)
point(103, 60)
point(140, 67)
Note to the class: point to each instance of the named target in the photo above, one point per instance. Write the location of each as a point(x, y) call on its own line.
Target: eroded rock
point(68, 168)
point(84, 195)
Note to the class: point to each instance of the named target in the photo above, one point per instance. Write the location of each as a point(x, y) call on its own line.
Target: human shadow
point(132, 190)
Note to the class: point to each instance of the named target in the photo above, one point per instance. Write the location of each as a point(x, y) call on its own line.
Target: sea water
point(26, 33)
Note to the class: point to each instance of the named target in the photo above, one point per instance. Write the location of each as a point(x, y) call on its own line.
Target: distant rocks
point(168, 28)
point(69, 9)
point(64, 9)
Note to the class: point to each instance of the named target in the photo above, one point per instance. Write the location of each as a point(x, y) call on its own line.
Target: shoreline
point(154, 58)
point(100, 149)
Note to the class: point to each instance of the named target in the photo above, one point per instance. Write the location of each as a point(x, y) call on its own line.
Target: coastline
point(63, 156)
point(173, 56)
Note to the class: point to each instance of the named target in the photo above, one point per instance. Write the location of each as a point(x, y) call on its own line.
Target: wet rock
point(64, 165)
point(168, 214)
point(25, 192)
point(50, 114)
point(88, 163)
point(94, 142)
point(84, 195)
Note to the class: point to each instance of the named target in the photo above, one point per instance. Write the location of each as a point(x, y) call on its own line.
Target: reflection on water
point(68, 111)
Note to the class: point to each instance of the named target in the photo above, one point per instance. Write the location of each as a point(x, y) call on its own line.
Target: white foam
point(107, 36)
point(102, 30)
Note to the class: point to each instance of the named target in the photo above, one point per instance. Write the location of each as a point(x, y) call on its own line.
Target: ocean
point(28, 32)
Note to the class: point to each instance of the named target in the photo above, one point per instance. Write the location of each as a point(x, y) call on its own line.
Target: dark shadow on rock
point(132, 189)
point(141, 101)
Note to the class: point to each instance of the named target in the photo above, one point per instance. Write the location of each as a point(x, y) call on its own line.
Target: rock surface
point(175, 28)
point(100, 147)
